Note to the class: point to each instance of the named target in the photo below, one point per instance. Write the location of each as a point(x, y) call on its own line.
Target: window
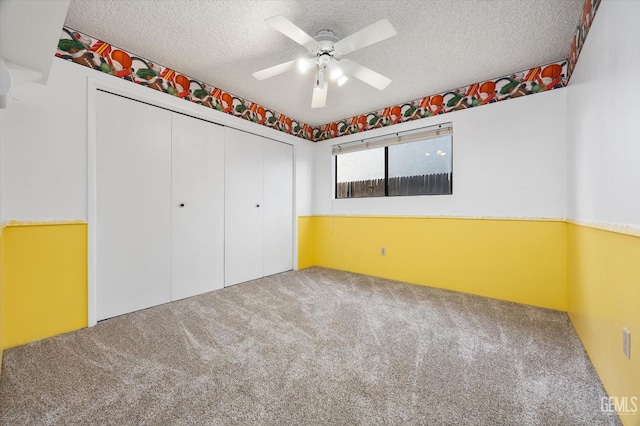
point(361, 173)
point(410, 163)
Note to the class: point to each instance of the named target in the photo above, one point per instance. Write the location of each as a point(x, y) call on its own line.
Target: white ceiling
point(441, 44)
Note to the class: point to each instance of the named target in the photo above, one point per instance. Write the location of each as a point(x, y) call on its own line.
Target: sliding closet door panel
point(243, 207)
point(278, 207)
point(198, 206)
point(133, 169)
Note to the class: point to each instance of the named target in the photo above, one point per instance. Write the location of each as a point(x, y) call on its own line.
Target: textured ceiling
point(441, 44)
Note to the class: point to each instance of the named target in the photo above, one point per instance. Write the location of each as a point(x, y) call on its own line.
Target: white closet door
point(243, 207)
point(198, 206)
point(133, 150)
point(278, 207)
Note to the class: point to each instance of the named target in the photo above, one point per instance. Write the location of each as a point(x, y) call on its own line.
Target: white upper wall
point(29, 32)
point(43, 144)
point(44, 139)
point(509, 160)
point(1, 173)
point(603, 120)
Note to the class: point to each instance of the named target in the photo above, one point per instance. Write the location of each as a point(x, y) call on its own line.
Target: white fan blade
point(319, 99)
point(275, 70)
point(364, 74)
point(289, 29)
point(374, 33)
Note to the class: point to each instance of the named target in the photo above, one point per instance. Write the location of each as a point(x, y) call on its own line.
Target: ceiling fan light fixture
point(335, 71)
point(305, 64)
point(325, 53)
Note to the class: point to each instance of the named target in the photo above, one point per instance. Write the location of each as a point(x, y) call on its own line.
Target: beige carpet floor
point(316, 346)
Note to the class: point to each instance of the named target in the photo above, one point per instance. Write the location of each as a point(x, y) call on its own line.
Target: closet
point(184, 206)
point(258, 207)
point(160, 205)
point(198, 206)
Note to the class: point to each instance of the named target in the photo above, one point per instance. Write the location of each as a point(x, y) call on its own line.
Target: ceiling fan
point(325, 53)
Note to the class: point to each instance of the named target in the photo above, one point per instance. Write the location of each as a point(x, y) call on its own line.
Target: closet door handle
point(257, 205)
point(182, 205)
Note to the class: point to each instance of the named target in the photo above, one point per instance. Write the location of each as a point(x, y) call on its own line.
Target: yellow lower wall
point(522, 261)
point(43, 272)
point(603, 288)
point(1, 294)
point(591, 273)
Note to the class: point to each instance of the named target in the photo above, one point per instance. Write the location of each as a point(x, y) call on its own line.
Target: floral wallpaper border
point(101, 56)
point(528, 82)
point(577, 42)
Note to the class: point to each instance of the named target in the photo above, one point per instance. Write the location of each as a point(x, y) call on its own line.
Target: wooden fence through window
point(432, 184)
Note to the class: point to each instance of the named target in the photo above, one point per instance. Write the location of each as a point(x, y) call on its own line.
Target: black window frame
point(448, 126)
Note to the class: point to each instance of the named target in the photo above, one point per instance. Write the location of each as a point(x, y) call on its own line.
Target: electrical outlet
point(383, 251)
point(626, 342)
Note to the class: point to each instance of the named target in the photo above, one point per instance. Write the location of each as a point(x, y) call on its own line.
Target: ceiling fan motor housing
point(326, 39)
